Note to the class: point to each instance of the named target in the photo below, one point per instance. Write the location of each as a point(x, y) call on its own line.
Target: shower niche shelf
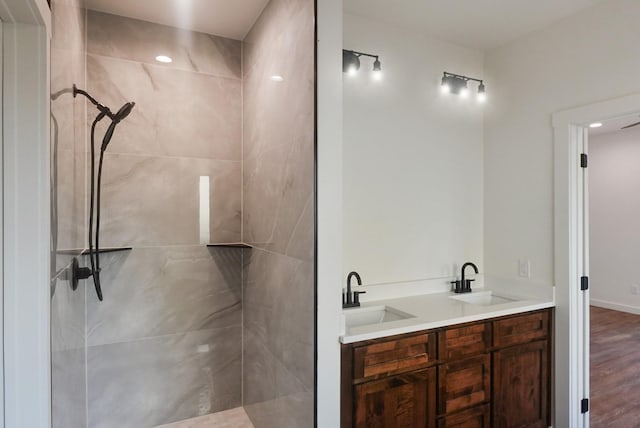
point(230, 245)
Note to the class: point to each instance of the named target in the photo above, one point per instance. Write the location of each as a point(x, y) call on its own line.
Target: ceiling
point(227, 18)
point(479, 24)
point(614, 125)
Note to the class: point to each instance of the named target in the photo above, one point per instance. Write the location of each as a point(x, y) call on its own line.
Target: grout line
point(152, 155)
point(172, 68)
point(160, 336)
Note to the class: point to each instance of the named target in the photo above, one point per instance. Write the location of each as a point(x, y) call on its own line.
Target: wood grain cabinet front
point(476, 417)
point(463, 384)
point(402, 401)
point(490, 373)
point(521, 379)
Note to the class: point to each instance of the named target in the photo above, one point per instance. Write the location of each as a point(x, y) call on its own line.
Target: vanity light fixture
point(457, 84)
point(351, 63)
point(595, 125)
point(164, 59)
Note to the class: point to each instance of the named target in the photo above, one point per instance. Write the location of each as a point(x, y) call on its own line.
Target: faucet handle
point(356, 296)
point(457, 285)
point(467, 284)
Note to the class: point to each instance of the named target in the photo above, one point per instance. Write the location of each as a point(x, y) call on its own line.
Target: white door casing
point(26, 253)
point(571, 255)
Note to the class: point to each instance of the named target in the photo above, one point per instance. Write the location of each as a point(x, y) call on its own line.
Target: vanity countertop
point(440, 309)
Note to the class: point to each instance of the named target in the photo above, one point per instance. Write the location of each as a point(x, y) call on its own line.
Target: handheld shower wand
point(94, 256)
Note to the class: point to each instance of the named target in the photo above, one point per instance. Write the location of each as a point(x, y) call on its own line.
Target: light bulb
point(595, 125)
point(353, 70)
point(445, 88)
point(377, 75)
point(482, 97)
point(277, 78)
point(464, 92)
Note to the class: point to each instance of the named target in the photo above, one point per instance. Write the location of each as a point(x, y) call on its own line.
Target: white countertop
point(439, 309)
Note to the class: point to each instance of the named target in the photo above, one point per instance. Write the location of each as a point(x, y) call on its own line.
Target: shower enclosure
point(207, 224)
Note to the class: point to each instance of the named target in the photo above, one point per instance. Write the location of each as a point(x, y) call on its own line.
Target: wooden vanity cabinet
point(491, 373)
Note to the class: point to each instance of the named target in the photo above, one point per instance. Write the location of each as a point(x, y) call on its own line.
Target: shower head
point(124, 111)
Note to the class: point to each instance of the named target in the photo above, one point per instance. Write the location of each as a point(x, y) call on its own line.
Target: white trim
point(27, 359)
point(571, 257)
point(615, 306)
point(1, 252)
point(329, 209)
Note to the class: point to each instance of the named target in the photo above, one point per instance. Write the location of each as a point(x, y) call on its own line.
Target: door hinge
point(584, 405)
point(584, 160)
point(584, 283)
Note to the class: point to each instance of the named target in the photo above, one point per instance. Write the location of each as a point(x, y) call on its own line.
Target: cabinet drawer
point(464, 384)
point(405, 400)
point(476, 417)
point(465, 341)
point(521, 329)
point(394, 356)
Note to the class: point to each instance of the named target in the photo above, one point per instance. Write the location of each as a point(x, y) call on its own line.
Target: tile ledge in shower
point(81, 252)
point(230, 245)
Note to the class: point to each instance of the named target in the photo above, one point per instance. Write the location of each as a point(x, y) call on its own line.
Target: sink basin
point(482, 298)
point(373, 315)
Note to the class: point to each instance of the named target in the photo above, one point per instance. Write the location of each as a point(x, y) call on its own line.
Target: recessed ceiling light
point(595, 125)
point(277, 78)
point(163, 58)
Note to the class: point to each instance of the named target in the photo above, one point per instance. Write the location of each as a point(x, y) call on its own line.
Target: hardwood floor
point(615, 369)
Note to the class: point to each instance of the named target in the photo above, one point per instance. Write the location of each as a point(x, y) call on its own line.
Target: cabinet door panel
point(476, 417)
point(402, 401)
point(464, 384)
point(520, 386)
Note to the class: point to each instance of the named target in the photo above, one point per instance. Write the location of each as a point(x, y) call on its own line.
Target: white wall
point(412, 158)
point(585, 58)
point(614, 218)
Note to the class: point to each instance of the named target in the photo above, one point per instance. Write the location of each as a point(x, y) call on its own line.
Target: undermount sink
point(482, 298)
point(373, 315)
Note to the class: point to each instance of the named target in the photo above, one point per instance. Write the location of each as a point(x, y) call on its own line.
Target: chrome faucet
point(464, 285)
point(352, 299)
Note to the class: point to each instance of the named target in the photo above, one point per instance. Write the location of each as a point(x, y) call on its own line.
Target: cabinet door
point(476, 417)
point(407, 401)
point(520, 386)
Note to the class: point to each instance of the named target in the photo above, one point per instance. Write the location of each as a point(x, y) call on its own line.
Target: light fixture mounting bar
point(465, 78)
point(361, 53)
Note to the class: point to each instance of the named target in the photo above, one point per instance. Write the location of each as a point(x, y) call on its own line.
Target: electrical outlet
point(524, 268)
point(635, 289)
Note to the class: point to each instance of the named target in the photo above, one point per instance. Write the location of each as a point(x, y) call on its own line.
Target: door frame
point(571, 253)
point(25, 199)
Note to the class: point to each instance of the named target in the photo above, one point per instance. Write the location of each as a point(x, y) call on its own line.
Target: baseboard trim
point(615, 306)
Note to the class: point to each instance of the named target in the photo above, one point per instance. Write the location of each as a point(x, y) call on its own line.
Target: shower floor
point(233, 418)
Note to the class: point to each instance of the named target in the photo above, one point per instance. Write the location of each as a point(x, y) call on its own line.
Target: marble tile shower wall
point(165, 344)
point(278, 216)
point(68, 217)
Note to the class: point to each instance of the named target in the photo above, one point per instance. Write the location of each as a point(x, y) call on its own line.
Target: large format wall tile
point(159, 291)
point(141, 41)
point(68, 221)
point(279, 129)
point(150, 201)
point(278, 216)
point(165, 379)
point(278, 333)
point(177, 113)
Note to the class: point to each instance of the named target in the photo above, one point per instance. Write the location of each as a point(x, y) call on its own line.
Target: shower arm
point(103, 109)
